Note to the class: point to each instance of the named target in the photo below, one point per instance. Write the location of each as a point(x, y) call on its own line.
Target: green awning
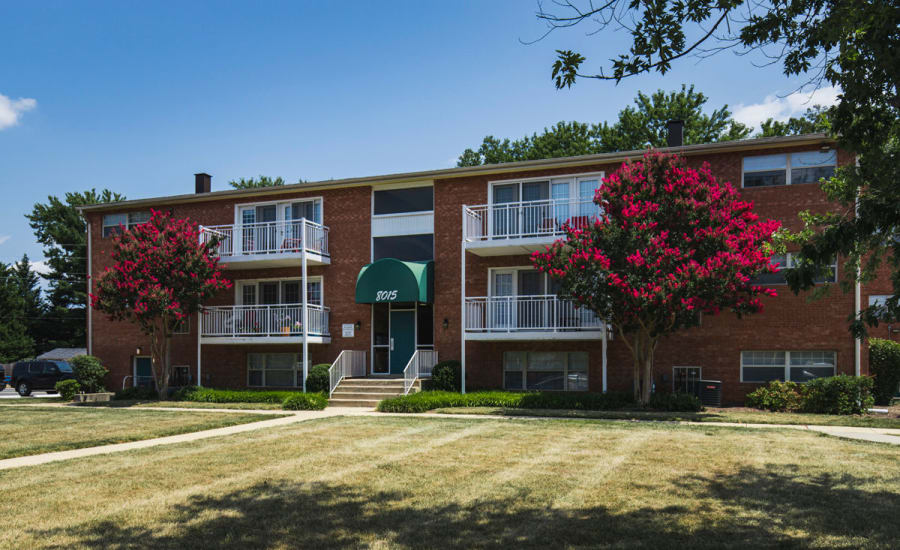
point(390, 280)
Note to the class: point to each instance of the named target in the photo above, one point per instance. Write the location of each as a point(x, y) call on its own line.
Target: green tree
point(814, 120)
point(15, 343)
point(59, 226)
point(854, 46)
point(33, 306)
point(637, 127)
point(253, 183)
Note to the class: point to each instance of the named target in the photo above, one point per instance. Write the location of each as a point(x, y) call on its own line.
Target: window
point(788, 168)
point(425, 326)
point(274, 370)
point(279, 292)
point(183, 327)
point(543, 370)
point(409, 248)
point(787, 261)
point(686, 380)
point(113, 223)
point(396, 201)
point(797, 366)
point(311, 209)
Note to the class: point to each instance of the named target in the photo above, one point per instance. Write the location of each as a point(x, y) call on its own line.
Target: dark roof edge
point(446, 173)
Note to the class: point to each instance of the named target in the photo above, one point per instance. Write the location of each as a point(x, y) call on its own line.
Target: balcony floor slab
point(522, 335)
point(232, 340)
point(255, 261)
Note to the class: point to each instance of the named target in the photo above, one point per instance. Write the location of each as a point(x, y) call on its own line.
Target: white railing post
point(305, 312)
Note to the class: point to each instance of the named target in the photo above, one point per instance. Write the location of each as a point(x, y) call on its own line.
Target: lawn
point(33, 430)
point(414, 482)
point(738, 415)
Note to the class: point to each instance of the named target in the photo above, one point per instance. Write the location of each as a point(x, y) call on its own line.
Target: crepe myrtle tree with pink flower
point(671, 243)
point(161, 274)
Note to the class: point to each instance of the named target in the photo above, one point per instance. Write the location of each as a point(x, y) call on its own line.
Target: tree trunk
point(642, 354)
point(161, 359)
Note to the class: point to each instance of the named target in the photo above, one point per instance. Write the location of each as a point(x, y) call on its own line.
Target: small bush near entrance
point(777, 396)
point(317, 379)
point(430, 400)
point(136, 394)
point(89, 373)
point(445, 376)
point(675, 402)
point(840, 394)
point(884, 365)
point(67, 389)
point(305, 401)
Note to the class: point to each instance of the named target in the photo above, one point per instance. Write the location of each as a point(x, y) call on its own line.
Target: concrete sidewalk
point(878, 435)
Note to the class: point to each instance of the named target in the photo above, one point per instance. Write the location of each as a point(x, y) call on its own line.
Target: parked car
point(39, 375)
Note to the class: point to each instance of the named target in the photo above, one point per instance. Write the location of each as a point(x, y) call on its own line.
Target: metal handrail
point(541, 218)
point(420, 364)
point(543, 313)
point(264, 320)
point(278, 237)
point(349, 363)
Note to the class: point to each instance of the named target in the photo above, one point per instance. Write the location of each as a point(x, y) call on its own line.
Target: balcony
point(269, 244)
point(522, 227)
point(271, 324)
point(545, 317)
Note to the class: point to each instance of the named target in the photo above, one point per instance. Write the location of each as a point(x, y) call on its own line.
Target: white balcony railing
point(281, 237)
point(419, 366)
point(546, 313)
point(272, 320)
point(525, 219)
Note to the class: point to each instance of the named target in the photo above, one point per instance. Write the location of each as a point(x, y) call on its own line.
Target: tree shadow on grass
point(762, 509)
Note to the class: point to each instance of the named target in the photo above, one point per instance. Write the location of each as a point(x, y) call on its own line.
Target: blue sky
point(137, 97)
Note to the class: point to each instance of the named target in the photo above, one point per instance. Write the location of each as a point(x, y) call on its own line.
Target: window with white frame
point(788, 261)
point(113, 224)
point(285, 211)
point(796, 366)
point(273, 370)
point(272, 292)
point(545, 370)
point(788, 168)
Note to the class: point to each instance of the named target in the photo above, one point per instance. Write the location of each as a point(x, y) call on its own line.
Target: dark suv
point(39, 375)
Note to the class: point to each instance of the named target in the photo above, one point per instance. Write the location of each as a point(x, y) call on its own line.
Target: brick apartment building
point(402, 269)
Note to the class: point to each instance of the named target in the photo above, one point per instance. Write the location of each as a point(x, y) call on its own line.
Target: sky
point(137, 97)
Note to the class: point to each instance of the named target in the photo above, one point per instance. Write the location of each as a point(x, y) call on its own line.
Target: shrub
point(317, 379)
point(211, 395)
point(884, 365)
point(68, 388)
point(839, 394)
point(89, 373)
point(446, 376)
point(427, 401)
point(137, 394)
point(305, 401)
point(777, 396)
point(675, 402)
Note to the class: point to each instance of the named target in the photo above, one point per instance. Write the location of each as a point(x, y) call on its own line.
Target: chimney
point(676, 133)
point(202, 183)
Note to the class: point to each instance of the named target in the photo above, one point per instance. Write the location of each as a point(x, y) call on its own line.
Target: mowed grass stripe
point(416, 482)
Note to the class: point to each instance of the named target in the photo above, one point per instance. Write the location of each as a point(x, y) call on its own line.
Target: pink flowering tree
point(669, 244)
point(161, 275)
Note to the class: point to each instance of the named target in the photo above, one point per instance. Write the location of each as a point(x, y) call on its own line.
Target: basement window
point(796, 366)
point(533, 370)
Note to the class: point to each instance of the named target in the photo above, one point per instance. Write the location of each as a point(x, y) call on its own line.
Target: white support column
point(304, 291)
point(605, 340)
point(199, 335)
point(857, 299)
point(89, 284)
point(462, 306)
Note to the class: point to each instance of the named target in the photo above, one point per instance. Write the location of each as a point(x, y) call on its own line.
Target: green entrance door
point(403, 339)
point(143, 372)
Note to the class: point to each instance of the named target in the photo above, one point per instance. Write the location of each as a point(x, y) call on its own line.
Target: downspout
point(462, 302)
point(199, 335)
point(605, 339)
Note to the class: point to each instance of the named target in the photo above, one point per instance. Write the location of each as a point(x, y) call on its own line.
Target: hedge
point(211, 395)
point(839, 394)
point(67, 388)
point(305, 402)
point(430, 400)
point(884, 365)
point(139, 394)
point(446, 376)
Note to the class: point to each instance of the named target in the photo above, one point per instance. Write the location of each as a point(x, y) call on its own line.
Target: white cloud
point(4, 238)
point(783, 108)
point(12, 109)
point(40, 267)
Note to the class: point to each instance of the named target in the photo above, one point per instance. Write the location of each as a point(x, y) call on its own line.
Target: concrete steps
point(367, 392)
